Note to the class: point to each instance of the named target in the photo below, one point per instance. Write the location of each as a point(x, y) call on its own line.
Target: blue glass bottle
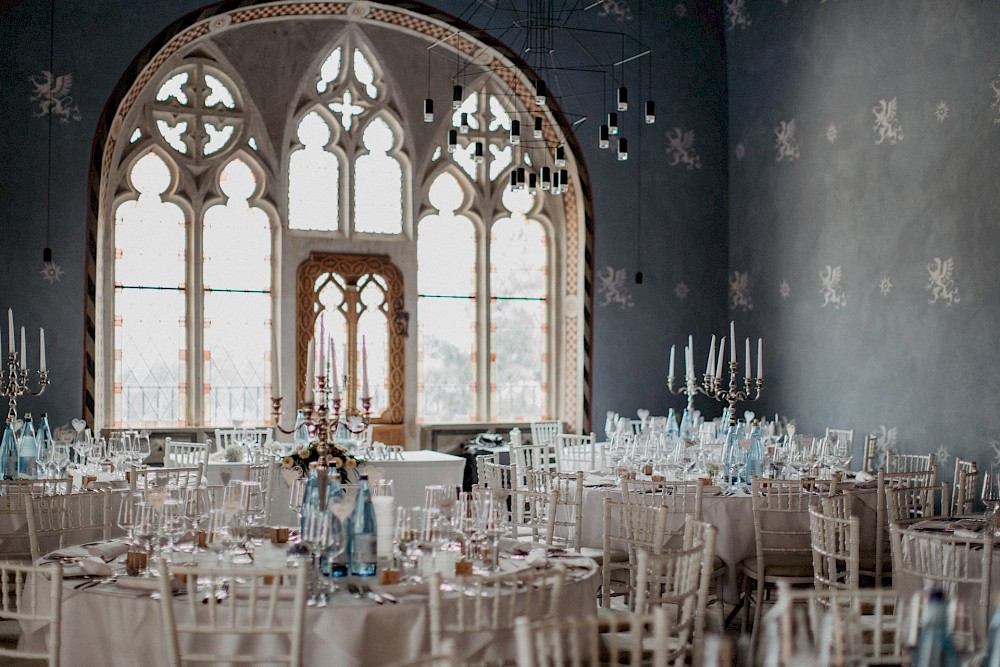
point(8, 452)
point(310, 496)
point(755, 455)
point(686, 425)
point(364, 552)
point(27, 460)
point(44, 438)
point(671, 424)
point(731, 452)
point(934, 646)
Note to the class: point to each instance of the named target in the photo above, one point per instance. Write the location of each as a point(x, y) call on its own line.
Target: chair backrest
point(481, 460)
point(538, 457)
point(55, 522)
point(496, 476)
point(909, 504)
point(545, 432)
point(886, 481)
point(567, 515)
point(182, 477)
point(681, 499)
point(869, 463)
point(836, 547)
point(33, 594)
point(582, 641)
point(944, 560)
point(895, 462)
point(185, 454)
point(835, 627)
point(628, 527)
point(576, 452)
point(15, 544)
point(491, 603)
point(261, 473)
point(965, 486)
point(780, 519)
point(530, 514)
point(843, 436)
point(240, 602)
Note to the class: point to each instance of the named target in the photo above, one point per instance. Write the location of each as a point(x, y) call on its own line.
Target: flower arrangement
point(302, 455)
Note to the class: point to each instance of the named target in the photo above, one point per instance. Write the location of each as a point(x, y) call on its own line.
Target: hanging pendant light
point(650, 112)
point(622, 149)
point(463, 123)
point(428, 110)
point(623, 98)
point(613, 124)
point(532, 183)
point(515, 132)
point(563, 180)
point(603, 141)
point(456, 97)
point(477, 155)
point(560, 160)
point(521, 177)
point(540, 93)
point(546, 178)
point(513, 179)
point(452, 141)
point(556, 183)
point(537, 134)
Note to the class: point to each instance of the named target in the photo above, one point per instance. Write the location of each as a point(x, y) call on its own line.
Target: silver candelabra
point(17, 383)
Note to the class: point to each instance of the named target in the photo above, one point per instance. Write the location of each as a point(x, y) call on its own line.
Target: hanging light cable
point(47, 251)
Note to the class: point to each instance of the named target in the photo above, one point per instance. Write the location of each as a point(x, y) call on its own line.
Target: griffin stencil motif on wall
point(739, 291)
point(887, 122)
point(995, 85)
point(785, 141)
point(736, 14)
point(680, 145)
point(831, 291)
point(52, 95)
point(612, 286)
point(941, 285)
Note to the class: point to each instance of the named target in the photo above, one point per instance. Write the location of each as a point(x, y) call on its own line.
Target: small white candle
point(670, 368)
point(310, 371)
point(722, 355)
point(711, 357)
point(10, 330)
point(322, 346)
point(275, 362)
point(41, 350)
point(689, 362)
point(333, 369)
point(760, 356)
point(732, 341)
point(364, 369)
point(746, 373)
point(24, 346)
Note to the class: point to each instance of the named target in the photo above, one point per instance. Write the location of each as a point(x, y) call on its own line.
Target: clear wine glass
point(59, 459)
point(252, 503)
point(172, 520)
point(991, 493)
point(145, 524)
point(141, 447)
point(197, 507)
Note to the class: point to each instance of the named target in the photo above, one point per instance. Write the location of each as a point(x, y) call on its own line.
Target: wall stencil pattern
point(941, 285)
point(52, 95)
point(832, 292)
point(887, 124)
point(680, 146)
point(612, 288)
point(786, 144)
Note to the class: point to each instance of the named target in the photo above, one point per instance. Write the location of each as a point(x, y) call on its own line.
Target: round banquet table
point(111, 625)
point(732, 515)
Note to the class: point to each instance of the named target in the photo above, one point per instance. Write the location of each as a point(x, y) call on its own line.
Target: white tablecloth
point(108, 626)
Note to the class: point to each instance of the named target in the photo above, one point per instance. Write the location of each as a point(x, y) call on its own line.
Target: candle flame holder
point(17, 384)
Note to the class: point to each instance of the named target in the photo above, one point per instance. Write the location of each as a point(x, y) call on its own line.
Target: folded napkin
point(68, 553)
point(108, 551)
point(862, 476)
point(537, 558)
point(966, 533)
point(94, 567)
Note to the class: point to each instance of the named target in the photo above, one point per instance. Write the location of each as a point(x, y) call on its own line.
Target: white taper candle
point(732, 341)
point(364, 369)
point(760, 356)
point(746, 373)
point(307, 395)
point(24, 346)
point(41, 350)
point(333, 369)
point(710, 369)
point(670, 366)
point(10, 330)
point(722, 355)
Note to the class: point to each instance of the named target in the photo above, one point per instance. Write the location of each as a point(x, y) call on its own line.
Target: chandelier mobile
point(540, 35)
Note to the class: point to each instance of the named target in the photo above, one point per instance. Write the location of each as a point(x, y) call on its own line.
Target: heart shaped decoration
point(79, 425)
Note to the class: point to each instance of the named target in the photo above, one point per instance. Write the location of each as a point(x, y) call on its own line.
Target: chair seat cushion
point(790, 566)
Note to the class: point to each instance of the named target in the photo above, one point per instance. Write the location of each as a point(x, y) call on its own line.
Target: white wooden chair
point(870, 462)
point(531, 515)
point(481, 462)
point(32, 594)
point(844, 436)
point(538, 457)
point(245, 603)
point(641, 639)
point(545, 432)
point(15, 544)
point(568, 510)
point(55, 522)
point(185, 454)
point(496, 476)
point(836, 547)
point(628, 528)
point(965, 485)
point(679, 579)
point(960, 565)
point(836, 627)
point(179, 477)
point(491, 604)
point(886, 481)
point(783, 543)
point(909, 504)
point(261, 473)
point(234, 436)
point(576, 452)
point(895, 462)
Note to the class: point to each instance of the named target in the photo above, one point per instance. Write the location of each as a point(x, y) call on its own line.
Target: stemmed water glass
point(172, 520)
point(141, 448)
point(991, 493)
point(197, 507)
